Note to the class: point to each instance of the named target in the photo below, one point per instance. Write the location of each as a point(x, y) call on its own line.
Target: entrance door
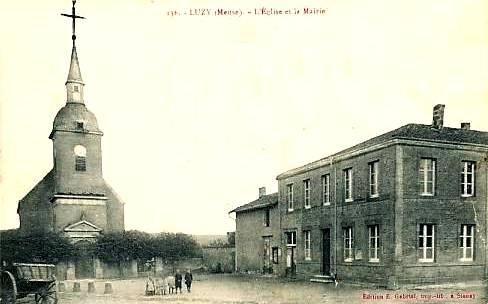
point(84, 268)
point(326, 251)
point(291, 244)
point(290, 260)
point(84, 265)
point(267, 268)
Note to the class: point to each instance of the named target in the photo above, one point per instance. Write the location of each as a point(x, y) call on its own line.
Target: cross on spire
point(73, 16)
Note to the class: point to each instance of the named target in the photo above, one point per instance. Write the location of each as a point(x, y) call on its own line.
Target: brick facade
point(406, 220)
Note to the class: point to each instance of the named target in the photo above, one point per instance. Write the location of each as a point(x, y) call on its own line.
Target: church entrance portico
point(83, 233)
point(85, 263)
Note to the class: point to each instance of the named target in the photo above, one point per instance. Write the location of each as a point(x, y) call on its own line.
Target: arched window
point(80, 158)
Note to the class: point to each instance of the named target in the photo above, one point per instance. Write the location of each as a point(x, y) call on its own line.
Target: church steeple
point(76, 136)
point(74, 74)
point(74, 83)
point(74, 118)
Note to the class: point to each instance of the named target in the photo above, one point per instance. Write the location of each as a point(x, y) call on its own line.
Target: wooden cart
point(20, 280)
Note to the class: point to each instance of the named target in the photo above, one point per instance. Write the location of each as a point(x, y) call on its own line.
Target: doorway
point(326, 251)
point(84, 265)
point(267, 266)
point(291, 261)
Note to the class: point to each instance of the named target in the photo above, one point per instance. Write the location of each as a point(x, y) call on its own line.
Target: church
point(73, 198)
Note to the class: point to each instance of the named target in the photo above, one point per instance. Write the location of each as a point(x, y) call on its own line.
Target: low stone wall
point(214, 260)
point(163, 268)
point(219, 259)
point(66, 270)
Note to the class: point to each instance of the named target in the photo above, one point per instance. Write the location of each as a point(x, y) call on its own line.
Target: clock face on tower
point(80, 151)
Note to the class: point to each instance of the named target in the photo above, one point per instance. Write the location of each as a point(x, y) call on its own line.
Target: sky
point(198, 112)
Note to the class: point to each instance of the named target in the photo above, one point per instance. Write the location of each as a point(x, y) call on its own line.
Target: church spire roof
point(74, 116)
point(74, 74)
point(74, 83)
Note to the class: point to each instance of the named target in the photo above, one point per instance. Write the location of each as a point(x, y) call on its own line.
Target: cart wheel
point(8, 292)
point(47, 294)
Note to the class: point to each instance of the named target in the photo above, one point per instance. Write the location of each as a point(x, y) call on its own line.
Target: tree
point(219, 243)
point(175, 246)
point(129, 245)
point(123, 246)
point(44, 247)
point(231, 238)
point(50, 247)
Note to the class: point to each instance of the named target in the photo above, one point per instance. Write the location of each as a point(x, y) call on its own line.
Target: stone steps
point(325, 279)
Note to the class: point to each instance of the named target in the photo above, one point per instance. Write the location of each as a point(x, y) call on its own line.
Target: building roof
point(68, 116)
point(262, 202)
point(41, 193)
point(74, 116)
point(74, 74)
point(46, 189)
point(417, 132)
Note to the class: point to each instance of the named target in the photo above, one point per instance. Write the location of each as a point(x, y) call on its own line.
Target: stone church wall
point(67, 211)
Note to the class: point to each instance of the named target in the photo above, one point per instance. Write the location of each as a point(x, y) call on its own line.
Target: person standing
point(178, 279)
point(150, 287)
point(188, 279)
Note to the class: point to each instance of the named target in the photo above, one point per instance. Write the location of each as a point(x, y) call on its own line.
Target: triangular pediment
point(82, 226)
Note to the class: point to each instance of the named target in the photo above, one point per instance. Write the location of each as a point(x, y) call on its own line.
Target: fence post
point(108, 288)
point(91, 286)
point(76, 286)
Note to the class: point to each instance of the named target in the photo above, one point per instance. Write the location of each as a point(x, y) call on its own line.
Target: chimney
point(262, 192)
point(466, 126)
point(438, 116)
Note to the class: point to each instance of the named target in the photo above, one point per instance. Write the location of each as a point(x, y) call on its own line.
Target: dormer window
point(80, 158)
point(80, 125)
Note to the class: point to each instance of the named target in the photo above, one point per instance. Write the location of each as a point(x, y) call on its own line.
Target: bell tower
point(76, 140)
point(73, 198)
point(80, 194)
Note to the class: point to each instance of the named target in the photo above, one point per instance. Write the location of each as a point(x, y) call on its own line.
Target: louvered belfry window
point(80, 158)
point(80, 163)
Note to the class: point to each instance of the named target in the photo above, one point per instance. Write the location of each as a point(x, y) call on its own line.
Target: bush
point(42, 247)
point(124, 246)
point(175, 246)
point(50, 247)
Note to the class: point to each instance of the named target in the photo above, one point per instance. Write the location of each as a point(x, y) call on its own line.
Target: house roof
point(411, 131)
point(262, 202)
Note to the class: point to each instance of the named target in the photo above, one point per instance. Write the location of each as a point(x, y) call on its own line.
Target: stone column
point(133, 268)
point(98, 268)
point(61, 268)
point(159, 266)
point(70, 271)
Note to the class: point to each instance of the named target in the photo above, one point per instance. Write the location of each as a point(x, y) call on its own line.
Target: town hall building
point(408, 207)
point(74, 198)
